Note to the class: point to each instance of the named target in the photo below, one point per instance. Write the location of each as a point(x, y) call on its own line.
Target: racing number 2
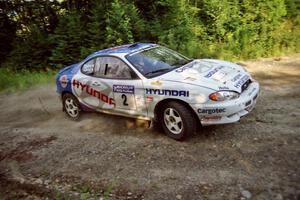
point(124, 97)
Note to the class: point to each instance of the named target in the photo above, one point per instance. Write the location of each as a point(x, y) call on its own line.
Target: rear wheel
point(71, 106)
point(177, 120)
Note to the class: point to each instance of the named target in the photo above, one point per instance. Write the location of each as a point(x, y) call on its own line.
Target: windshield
point(156, 61)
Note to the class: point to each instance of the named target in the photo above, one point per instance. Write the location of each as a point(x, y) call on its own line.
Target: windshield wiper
point(182, 62)
point(157, 71)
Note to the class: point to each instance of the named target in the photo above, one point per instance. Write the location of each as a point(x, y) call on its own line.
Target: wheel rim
point(173, 121)
point(71, 107)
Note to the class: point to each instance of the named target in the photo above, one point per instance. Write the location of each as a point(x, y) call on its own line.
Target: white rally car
point(152, 82)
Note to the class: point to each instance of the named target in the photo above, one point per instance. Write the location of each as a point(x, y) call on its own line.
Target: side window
point(111, 67)
point(88, 68)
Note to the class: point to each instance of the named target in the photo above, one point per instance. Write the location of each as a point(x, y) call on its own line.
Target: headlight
point(223, 95)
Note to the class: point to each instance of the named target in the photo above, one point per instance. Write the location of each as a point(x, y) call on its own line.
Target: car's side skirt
point(124, 115)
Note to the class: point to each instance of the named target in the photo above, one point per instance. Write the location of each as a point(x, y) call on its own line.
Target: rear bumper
point(229, 111)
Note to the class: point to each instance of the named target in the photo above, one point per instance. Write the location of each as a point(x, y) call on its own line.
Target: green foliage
point(179, 25)
point(237, 29)
point(107, 192)
point(68, 38)
point(119, 27)
point(30, 52)
point(7, 34)
point(96, 27)
point(11, 81)
point(32, 21)
point(137, 24)
point(40, 34)
point(293, 8)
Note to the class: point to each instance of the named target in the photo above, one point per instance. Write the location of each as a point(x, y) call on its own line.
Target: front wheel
point(177, 120)
point(71, 106)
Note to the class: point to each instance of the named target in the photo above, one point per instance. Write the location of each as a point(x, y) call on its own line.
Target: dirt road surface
point(44, 155)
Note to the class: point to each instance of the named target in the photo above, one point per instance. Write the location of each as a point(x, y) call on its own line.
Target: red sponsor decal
point(149, 99)
point(93, 92)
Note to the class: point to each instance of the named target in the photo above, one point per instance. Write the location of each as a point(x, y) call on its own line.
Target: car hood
point(210, 73)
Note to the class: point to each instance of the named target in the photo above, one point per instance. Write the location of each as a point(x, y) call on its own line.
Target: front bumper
point(228, 111)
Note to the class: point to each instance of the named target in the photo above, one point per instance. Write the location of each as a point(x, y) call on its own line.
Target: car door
point(117, 80)
point(91, 91)
point(127, 87)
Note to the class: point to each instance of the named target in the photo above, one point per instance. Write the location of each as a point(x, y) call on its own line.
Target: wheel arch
point(164, 101)
point(63, 93)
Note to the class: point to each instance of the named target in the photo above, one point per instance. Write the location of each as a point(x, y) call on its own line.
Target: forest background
point(40, 36)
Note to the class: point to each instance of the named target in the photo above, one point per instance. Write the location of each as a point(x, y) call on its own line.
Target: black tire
point(188, 122)
point(66, 100)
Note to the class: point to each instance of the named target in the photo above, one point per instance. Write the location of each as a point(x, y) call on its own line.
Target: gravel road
point(44, 155)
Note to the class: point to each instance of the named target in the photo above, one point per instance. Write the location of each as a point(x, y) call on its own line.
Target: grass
point(12, 81)
point(85, 193)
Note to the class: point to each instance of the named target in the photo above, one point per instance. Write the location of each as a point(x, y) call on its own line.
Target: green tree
point(30, 52)
point(68, 39)
point(136, 22)
point(292, 8)
point(259, 21)
point(7, 35)
point(180, 25)
point(38, 33)
point(119, 27)
point(31, 22)
point(96, 27)
point(171, 22)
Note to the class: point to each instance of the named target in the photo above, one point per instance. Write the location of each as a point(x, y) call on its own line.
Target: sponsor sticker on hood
point(210, 74)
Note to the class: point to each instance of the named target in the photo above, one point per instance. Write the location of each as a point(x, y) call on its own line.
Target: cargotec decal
point(179, 93)
point(212, 72)
point(241, 81)
point(211, 111)
point(128, 89)
point(93, 92)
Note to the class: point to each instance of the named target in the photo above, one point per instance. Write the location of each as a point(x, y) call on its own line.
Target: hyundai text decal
point(102, 97)
point(211, 111)
point(212, 72)
point(128, 89)
point(179, 93)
